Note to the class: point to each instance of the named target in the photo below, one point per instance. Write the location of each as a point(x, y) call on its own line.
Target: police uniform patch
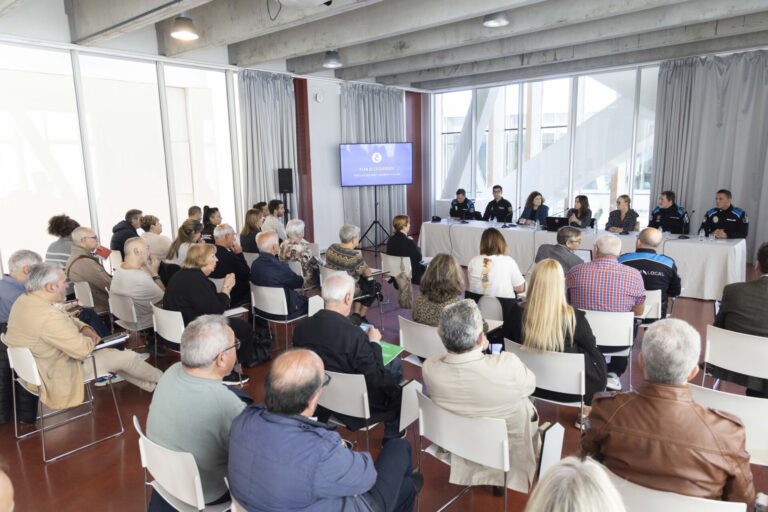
point(715, 219)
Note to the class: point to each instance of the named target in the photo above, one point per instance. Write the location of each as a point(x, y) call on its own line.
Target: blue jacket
point(541, 214)
point(267, 270)
point(292, 463)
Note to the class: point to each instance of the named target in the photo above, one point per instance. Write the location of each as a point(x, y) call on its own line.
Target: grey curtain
point(711, 133)
point(371, 114)
point(268, 122)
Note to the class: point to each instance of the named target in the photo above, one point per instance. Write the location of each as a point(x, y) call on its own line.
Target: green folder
point(389, 351)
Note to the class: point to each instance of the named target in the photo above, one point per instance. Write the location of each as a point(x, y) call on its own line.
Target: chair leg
point(506, 498)
point(462, 493)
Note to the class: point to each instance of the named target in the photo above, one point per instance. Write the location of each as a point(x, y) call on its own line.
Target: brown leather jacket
point(658, 437)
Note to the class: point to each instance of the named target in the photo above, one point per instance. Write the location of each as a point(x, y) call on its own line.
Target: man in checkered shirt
point(604, 284)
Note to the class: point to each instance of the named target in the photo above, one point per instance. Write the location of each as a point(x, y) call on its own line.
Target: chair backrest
point(490, 308)
point(250, 257)
point(641, 499)
point(419, 339)
point(394, 265)
point(551, 447)
point(176, 472)
point(218, 282)
point(269, 300)
point(652, 304)
point(168, 324)
point(236, 506)
point(481, 440)
point(296, 267)
point(23, 363)
point(314, 304)
point(314, 249)
point(561, 372)
point(752, 411)
point(612, 329)
point(122, 307)
point(326, 272)
point(346, 394)
point(83, 294)
point(115, 259)
point(409, 405)
point(742, 353)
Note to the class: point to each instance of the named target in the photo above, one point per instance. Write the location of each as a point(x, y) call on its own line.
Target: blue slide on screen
point(376, 164)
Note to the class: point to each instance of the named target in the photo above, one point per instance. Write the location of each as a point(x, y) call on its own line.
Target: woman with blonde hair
point(158, 244)
point(402, 245)
point(441, 285)
point(546, 322)
point(493, 273)
point(623, 219)
point(254, 219)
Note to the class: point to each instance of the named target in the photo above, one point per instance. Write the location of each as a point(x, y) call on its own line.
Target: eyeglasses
point(236, 346)
point(94, 237)
point(326, 380)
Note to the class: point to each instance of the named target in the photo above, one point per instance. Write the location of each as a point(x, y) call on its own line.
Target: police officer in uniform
point(461, 206)
point(725, 220)
point(669, 216)
point(499, 209)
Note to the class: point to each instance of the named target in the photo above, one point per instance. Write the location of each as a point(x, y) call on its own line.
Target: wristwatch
point(155, 278)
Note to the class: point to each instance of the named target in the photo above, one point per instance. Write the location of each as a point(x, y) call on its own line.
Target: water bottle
point(701, 235)
point(536, 225)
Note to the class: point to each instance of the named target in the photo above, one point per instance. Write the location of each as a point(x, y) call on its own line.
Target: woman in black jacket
point(547, 323)
point(211, 219)
point(401, 245)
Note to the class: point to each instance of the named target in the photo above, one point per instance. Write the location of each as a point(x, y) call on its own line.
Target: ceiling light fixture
point(183, 29)
point(495, 20)
point(332, 59)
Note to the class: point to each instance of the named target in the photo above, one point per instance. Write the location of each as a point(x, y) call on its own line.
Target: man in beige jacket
point(60, 343)
point(84, 266)
point(470, 383)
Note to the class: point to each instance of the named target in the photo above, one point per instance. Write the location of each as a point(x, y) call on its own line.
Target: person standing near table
point(725, 220)
point(669, 216)
point(499, 209)
point(462, 207)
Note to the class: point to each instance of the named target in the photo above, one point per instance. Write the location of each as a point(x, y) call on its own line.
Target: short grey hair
point(42, 274)
point(337, 286)
point(204, 339)
point(567, 234)
point(460, 325)
point(222, 230)
point(266, 239)
point(294, 228)
point(131, 242)
point(608, 245)
point(80, 233)
point(22, 258)
point(670, 351)
point(348, 232)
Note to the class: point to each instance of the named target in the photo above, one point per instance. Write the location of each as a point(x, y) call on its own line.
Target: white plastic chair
point(115, 260)
point(552, 438)
point(121, 307)
point(218, 282)
point(737, 352)
point(236, 506)
point(295, 266)
point(84, 297)
point(419, 340)
point(752, 411)
point(314, 249)
point(169, 325)
point(271, 300)
point(250, 257)
point(176, 477)
point(326, 272)
point(347, 394)
point(314, 304)
point(612, 329)
point(490, 308)
point(394, 265)
point(23, 365)
point(480, 440)
point(652, 310)
point(642, 499)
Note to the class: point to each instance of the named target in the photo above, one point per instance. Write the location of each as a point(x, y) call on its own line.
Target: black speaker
point(285, 181)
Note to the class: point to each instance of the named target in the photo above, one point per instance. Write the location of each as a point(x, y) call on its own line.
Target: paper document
point(389, 351)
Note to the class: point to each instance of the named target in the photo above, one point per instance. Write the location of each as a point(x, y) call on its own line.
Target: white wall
point(37, 19)
point(324, 139)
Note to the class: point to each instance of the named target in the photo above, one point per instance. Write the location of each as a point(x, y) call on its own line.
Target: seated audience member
point(269, 271)
point(658, 437)
point(137, 278)
point(344, 256)
point(401, 244)
point(261, 207)
point(273, 222)
point(462, 207)
point(195, 213)
point(441, 285)
point(189, 233)
point(743, 310)
point(211, 219)
point(124, 230)
point(251, 227)
point(60, 343)
point(346, 348)
point(158, 244)
point(568, 240)
point(725, 220)
point(535, 210)
point(669, 216)
point(193, 294)
point(492, 272)
point(580, 215)
point(231, 261)
point(60, 226)
point(658, 271)
point(295, 248)
point(623, 219)
point(604, 284)
point(545, 322)
point(460, 382)
point(83, 266)
point(192, 412)
point(282, 458)
point(499, 209)
point(575, 485)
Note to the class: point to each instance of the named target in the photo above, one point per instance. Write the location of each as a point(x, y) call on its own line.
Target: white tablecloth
point(704, 267)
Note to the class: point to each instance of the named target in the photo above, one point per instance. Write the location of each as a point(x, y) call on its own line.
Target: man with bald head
point(659, 272)
point(281, 458)
point(268, 270)
point(138, 279)
point(82, 265)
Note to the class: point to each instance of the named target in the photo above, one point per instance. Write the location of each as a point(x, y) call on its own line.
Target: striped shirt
point(58, 252)
point(604, 284)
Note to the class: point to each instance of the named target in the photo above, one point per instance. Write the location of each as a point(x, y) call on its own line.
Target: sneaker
point(235, 379)
point(103, 381)
point(613, 382)
point(581, 423)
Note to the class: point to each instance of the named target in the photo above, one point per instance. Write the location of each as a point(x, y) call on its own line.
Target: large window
point(453, 158)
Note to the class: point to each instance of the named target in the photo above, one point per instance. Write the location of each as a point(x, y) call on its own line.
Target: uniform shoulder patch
point(711, 212)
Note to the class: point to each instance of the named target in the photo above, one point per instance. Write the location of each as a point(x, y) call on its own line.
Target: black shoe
point(498, 490)
point(399, 435)
point(150, 349)
point(235, 379)
point(418, 481)
point(393, 282)
point(365, 320)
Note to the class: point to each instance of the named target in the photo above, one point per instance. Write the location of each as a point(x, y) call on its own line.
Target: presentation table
point(704, 267)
